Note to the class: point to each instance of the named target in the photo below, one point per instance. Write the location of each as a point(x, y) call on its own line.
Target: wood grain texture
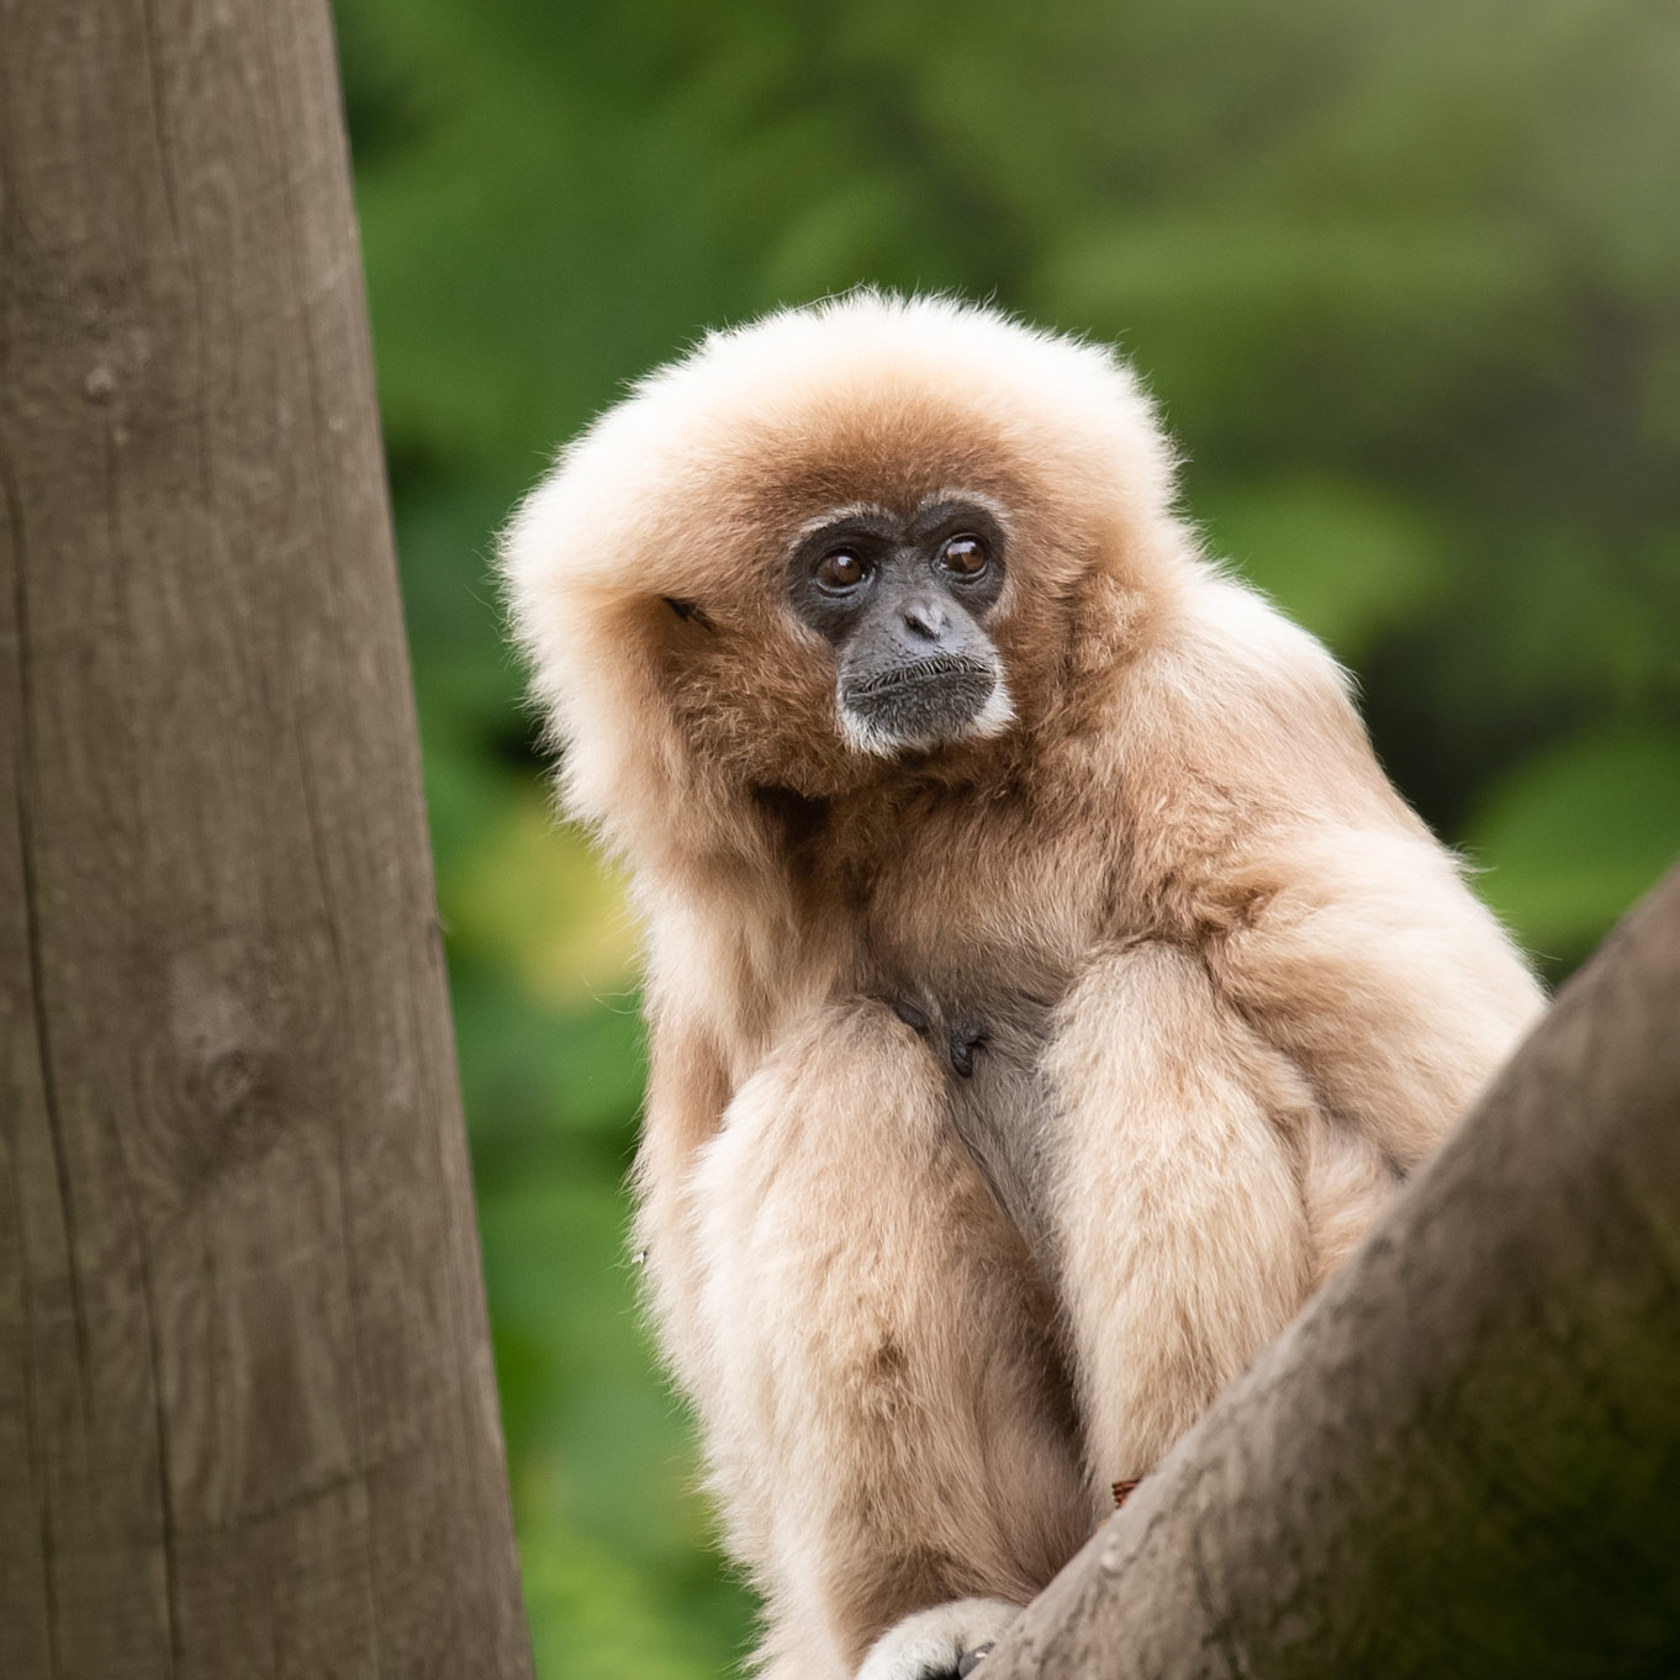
point(248, 1422)
point(1464, 1458)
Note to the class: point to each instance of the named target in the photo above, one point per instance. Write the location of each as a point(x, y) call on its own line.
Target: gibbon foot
point(1123, 1490)
point(945, 1643)
point(954, 1040)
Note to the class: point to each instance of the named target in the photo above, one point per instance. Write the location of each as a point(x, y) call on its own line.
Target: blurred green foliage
point(1407, 282)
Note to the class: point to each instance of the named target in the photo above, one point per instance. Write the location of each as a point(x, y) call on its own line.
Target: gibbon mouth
point(940, 670)
point(934, 700)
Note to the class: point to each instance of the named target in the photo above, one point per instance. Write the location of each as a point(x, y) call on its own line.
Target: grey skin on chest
point(988, 1040)
point(882, 874)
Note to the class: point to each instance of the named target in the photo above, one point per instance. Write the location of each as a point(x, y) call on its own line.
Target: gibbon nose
point(925, 618)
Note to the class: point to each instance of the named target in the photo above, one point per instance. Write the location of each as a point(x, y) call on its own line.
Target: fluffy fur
point(1232, 990)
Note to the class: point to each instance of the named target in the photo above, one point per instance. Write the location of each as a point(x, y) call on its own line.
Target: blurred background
point(1406, 280)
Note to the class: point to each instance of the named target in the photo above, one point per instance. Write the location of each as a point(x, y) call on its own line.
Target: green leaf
point(1344, 561)
point(1569, 840)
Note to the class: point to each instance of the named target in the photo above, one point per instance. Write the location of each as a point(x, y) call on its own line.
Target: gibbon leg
point(887, 1418)
point(1174, 1195)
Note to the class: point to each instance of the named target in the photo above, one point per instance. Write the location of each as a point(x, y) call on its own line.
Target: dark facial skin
point(903, 601)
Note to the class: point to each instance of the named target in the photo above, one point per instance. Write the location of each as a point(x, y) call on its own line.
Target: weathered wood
point(248, 1423)
point(1464, 1458)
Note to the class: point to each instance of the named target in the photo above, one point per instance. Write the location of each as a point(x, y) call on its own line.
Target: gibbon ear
point(690, 612)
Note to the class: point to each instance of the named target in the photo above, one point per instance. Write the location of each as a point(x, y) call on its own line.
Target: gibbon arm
point(878, 1385)
point(1350, 941)
point(1182, 1240)
point(687, 1093)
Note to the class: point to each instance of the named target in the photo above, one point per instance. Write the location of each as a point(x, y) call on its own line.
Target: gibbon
point(1046, 987)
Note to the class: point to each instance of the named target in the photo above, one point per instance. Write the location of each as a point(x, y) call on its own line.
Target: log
point(248, 1420)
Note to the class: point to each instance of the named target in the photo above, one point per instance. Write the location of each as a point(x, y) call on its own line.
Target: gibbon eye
point(842, 569)
point(965, 556)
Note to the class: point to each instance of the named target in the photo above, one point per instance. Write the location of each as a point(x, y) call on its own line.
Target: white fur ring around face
point(933, 1644)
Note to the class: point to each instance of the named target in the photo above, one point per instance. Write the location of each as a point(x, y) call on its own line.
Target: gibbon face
point(872, 619)
point(834, 541)
point(903, 600)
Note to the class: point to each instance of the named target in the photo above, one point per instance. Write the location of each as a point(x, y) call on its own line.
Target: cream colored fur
point(1266, 990)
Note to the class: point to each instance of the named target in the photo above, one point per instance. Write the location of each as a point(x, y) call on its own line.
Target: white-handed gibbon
point(1046, 987)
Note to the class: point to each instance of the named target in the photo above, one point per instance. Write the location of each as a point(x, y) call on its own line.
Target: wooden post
point(248, 1421)
point(1464, 1457)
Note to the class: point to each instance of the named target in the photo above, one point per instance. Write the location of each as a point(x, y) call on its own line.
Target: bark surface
point(248, 1422)
point(1464, 1457)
